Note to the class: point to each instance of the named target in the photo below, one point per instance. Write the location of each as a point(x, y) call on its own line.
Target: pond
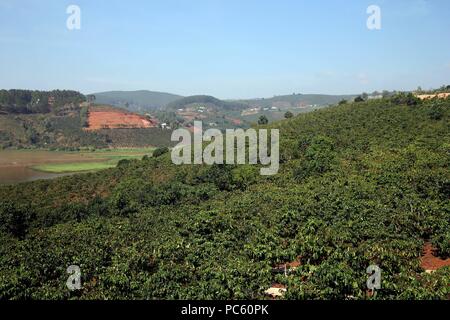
point(16, 165)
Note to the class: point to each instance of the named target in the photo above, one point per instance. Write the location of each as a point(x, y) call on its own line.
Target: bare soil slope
point(117, 119)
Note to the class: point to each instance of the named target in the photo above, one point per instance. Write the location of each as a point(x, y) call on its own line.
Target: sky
point(226, 48)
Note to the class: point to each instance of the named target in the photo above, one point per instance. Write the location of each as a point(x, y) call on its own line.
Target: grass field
point(73, 167)
point(94, 160)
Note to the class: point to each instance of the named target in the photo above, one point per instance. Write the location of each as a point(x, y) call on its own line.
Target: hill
point(142, 100)
point(104, 117)
point(206, 101)
point(298, 100)
point(360, 184)
point(18, 101)
point(62, 120)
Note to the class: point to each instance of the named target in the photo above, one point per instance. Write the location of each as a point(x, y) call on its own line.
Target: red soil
point(289, 265)
point(235, 121)
point(278, 286)
point(117, 119)
point(429, 261)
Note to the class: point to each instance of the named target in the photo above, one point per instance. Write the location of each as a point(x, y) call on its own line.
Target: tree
point(263, 120)
point(288, 115)
point(160, 151)
point(90, 98)
point(343, 101)
point(365, 96)
point(385, 94)
point(359, 99)
point(15, 219)
point(405, 98)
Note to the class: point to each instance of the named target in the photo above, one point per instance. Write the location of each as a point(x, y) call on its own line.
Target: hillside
point(142, 100)
point(206, 101)
point(18, 101)
point(359, 184)
point(61, 120)
point(101, 117)
point(298, 100)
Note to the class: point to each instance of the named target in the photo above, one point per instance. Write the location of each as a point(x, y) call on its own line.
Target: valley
point(18, 166)
point(360, 183)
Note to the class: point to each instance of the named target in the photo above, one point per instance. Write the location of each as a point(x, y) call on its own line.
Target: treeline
point(442, 89)
point(202, 99)
point(32, 101)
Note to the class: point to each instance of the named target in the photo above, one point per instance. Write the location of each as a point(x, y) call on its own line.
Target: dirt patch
point(235, 121)
point(191, 115)
point(289, 265)
point(278, 286)
point(112, 119)
point(429, 261)
point(431, 96)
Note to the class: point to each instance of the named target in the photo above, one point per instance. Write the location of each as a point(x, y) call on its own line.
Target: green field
point(94, 160)
point(74, 167)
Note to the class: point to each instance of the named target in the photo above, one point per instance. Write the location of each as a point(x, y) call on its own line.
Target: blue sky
point(229, 48)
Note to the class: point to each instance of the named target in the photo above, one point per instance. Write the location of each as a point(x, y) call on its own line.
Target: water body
point(16, 165)
point(17, 174)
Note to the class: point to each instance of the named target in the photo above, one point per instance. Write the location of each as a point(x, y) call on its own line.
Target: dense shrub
point(370, 186)
point(160, 151)
point(15, 218)
point(405, 98)
point(319, 157)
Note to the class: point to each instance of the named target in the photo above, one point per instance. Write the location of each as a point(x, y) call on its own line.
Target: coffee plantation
point(359, 184)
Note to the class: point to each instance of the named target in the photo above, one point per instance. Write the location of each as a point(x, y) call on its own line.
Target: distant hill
point(76, 125)
point(207, 101)
point(142, 100)
point(17, 101)
point(298, 100)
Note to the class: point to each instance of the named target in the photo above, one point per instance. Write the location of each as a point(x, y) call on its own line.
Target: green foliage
point(370, 186)
point(206, 100)
point(263, 120)
point(220, 175)
point(141, 100)
point(288, 115)
point(293, 100)
point(160, 151)
point(68, 132)
point(84, 117)
point(244, 176)
point(123, 162)
point(405, 98)
point(319, 157)
point(27, 101)
point(15, 219)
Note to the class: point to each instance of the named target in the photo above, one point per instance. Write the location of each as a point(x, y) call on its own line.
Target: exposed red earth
point(277, 289)
point(116, 119)
point(429, 261)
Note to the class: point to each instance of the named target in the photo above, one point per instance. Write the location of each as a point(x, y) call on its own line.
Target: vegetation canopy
point(359, 184)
